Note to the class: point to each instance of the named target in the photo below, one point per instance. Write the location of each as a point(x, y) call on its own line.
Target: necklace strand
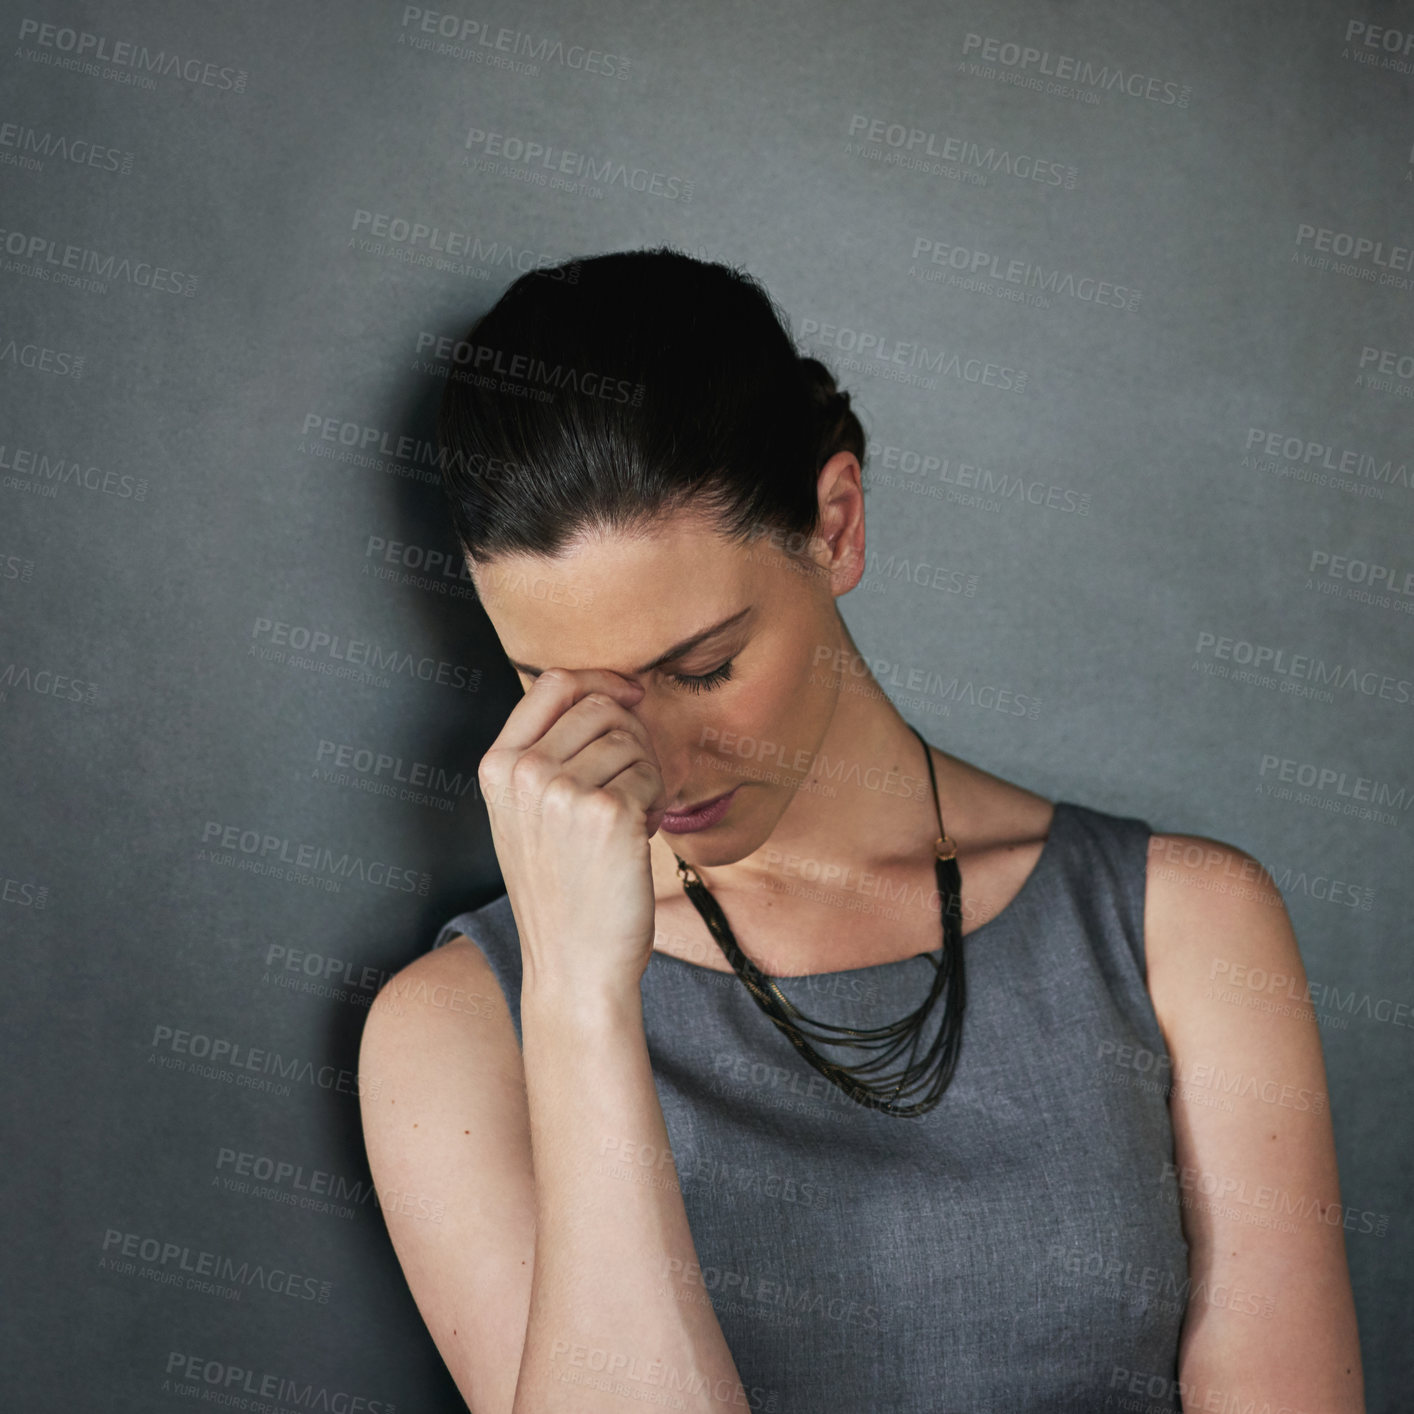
point(940, 1061)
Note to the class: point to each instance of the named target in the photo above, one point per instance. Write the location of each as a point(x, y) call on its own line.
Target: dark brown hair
point(601, 393)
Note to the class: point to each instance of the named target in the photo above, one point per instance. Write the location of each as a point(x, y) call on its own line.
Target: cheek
point(773, 715)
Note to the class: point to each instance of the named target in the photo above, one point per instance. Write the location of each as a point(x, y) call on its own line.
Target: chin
point(736, 838)
point(711, 855)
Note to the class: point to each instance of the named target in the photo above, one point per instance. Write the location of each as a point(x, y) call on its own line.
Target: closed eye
point(704, 682)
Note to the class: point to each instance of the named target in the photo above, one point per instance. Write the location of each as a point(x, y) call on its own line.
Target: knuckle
point(602, 808)
point(491, 766)
point(646, 769)
point(559, 795)
point(529, 769)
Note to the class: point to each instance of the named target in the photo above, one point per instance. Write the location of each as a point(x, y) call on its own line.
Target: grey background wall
point(1123, 293)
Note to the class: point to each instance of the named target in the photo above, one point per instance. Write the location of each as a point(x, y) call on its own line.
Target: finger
point(592, 716)
point(551, 695)
point(640, 787)
point(607, 757)
point(612, 741)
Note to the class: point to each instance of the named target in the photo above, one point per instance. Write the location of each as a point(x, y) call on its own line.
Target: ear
point(839, 547)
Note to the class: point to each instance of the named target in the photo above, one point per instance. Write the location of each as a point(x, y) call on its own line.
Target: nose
point(670, 744)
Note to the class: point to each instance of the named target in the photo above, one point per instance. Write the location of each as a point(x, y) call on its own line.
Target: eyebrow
point(678, 650)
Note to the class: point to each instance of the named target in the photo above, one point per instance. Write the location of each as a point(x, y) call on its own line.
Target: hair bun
point(839, 429)
point(819, 381)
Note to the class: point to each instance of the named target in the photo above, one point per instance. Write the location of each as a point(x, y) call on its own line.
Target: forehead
point(617, 601)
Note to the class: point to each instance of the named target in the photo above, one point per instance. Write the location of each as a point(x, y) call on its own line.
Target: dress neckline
point(1060, 811)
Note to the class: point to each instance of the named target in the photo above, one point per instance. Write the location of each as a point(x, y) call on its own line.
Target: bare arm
point(1271, 1316)
point(608, 1308)
point(536, 1273)
point(562, 1162)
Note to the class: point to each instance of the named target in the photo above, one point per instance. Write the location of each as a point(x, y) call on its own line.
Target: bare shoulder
point(1211, 912)
point(447, 1133)
point(454, 980)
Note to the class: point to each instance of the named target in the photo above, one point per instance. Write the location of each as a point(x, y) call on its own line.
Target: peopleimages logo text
point(1267, 658)
point(361, 653)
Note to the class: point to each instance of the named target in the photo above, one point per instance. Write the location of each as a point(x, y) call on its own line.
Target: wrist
point(573, 1005)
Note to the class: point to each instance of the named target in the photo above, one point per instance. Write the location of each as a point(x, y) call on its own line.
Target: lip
point(702, 817)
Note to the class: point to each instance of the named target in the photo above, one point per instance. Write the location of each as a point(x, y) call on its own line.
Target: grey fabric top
point(1016, 1249)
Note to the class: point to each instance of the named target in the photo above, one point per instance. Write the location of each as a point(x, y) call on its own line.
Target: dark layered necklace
point(932, 1074)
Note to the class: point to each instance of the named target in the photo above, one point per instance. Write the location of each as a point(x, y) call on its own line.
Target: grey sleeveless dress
point(1018, 1249)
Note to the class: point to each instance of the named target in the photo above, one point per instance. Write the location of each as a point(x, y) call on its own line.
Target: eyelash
point(705, 682)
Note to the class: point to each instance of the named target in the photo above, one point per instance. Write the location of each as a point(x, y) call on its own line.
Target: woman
point(661, 1182)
